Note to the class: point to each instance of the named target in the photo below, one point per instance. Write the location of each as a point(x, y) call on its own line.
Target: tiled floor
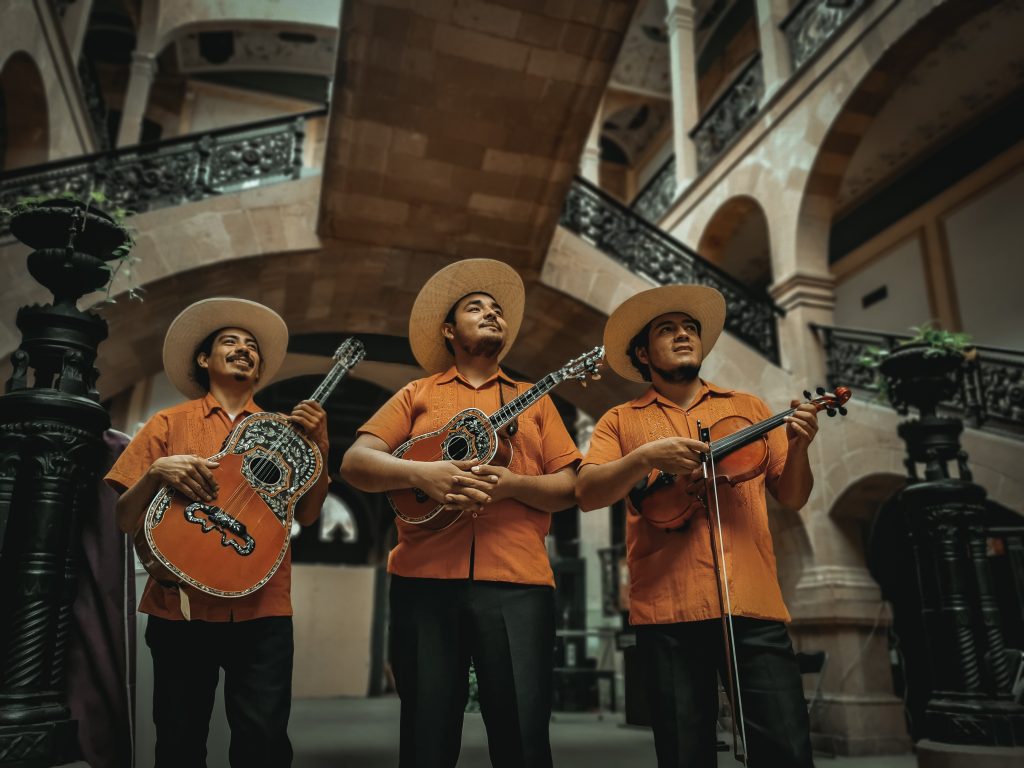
point(363, 733)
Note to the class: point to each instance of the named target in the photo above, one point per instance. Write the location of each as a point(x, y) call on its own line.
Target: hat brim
point(702, 303)
point(199, 320)
point(446, 287)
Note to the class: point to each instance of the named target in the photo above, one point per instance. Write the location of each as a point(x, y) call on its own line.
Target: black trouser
point(437, 626)
point(257, 659)
point(682, 664)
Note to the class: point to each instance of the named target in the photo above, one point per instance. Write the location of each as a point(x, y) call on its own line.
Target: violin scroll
point(830, 402)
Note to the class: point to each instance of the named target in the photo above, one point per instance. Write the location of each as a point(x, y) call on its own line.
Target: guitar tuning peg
point(820, 390)
point(831, 412)
point(842, 411)
point(807, 394)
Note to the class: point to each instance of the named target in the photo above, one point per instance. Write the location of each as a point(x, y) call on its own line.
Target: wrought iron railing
point(812, 23)
point(730, 114)
point(172, 172)
point(991, 393)
point(658, 194)
point(648, 251)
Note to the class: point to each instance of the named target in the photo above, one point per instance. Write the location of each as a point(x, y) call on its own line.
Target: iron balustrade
point(165, 173)
point(730, 114)
point(651, 253)
point(991, 383)
point(658, 194)
point(812, 23)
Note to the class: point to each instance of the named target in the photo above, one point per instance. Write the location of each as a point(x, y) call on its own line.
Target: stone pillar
point(75, 23)
point(774, 49)
point(590, 160)
point(683, 69)
point(140, 78)
point(51, 448)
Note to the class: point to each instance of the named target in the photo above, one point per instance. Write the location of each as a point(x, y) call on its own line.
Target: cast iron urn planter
point(51, 449)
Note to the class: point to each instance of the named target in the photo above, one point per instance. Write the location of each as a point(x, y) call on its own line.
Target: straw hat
point(703, 304)
point(446, 287)
point(199, 320)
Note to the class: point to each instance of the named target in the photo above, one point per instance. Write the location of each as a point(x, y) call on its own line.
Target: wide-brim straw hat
point(446, 287)
point(703, 304)
point(199, 320)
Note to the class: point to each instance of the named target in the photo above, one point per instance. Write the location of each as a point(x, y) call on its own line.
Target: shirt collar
point(210, 404)
point(453, 373)
point(707, 389)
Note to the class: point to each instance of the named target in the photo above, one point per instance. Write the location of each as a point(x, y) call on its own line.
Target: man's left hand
point(497, 482)
point(311, 416)
point(801, 425)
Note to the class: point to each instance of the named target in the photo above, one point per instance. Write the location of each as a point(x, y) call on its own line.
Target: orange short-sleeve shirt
point(507, 536)
point(197, 427)
point(671, 574)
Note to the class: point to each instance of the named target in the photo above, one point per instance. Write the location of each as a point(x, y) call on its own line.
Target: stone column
point(143, 70)
point(774, 49)
point(75, 23)
point(683, 68)
point(590, 160)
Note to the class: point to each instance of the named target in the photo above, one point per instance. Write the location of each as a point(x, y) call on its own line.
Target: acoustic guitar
point(230, 547)
point(740, 451)
point(473, 435)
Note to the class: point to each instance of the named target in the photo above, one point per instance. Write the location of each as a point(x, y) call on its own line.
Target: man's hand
point(497, 482)
point(190, 475)
point(674, 455)
point(801, 425)
point(311, 416)
point(443, 482)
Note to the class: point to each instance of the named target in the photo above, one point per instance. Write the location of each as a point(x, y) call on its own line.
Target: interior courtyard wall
point(31, 26)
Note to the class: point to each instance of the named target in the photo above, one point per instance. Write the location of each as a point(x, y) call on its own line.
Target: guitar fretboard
point(336, 374)
point(510, 410)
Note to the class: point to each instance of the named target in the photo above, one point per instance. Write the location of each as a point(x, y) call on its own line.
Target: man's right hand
point(190, 475)
point(674, 455)
point(437, 479)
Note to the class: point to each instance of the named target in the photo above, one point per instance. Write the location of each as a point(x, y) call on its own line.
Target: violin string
point(724, 584)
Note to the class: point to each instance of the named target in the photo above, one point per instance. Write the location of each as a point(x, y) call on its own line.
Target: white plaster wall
point(985, 239)
point(901, 271)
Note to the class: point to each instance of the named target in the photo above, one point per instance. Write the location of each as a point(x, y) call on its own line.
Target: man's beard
point(678, 375)
point(487, 347)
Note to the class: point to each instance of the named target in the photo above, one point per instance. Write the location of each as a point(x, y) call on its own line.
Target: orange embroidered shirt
point(197, 427)
point(671, 574)
point(508, 536)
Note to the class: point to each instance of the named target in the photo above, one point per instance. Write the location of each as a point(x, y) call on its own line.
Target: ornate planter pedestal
point(51, 451)
point(943, 599)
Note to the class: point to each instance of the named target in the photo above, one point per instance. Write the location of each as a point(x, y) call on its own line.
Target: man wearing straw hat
point(481, 589)
point(662, 336)
point(215, 353)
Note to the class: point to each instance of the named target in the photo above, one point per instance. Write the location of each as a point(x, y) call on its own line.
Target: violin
point(740, 451)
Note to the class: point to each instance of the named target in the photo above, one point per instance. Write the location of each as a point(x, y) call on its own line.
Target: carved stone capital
point(803, 289)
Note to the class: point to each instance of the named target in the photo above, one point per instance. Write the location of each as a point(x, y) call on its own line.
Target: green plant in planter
point(934, 343)
point(121, 261)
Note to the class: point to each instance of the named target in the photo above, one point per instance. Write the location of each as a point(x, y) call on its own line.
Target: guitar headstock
point(350, 352)
point(830, 402)
point(587, 364)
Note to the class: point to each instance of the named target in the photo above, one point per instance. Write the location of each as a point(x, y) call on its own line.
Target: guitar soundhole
point(457, 448)
point(264, 470)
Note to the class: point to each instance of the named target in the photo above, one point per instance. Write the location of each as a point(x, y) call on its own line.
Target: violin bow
point(739, 735)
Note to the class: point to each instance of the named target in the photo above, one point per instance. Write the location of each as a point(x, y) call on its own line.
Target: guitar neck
point(333, 378)
point(726, 445)
point(512, 409)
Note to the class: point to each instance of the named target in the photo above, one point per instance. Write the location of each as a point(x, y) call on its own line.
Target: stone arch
point(736, 239)
point(874, 83)
point(854, 510)
point(24, 112)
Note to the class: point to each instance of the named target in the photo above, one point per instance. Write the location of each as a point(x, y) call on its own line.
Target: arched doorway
point(24, 116)
point(737, 240)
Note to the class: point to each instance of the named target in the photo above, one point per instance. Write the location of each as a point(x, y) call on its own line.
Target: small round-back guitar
point(473, 435)
point(230, 547)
